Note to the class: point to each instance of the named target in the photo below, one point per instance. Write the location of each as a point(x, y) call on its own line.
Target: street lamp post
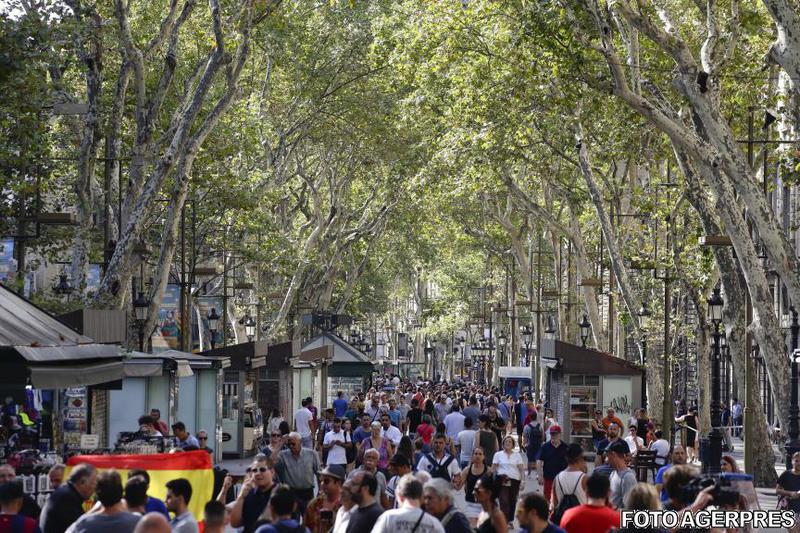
point(63, 287)
point(141, 308)
point(213, 325)
point(527, 336)
point(793, 444)
point(462, 343)
point(712, 466)
point(501, 340)
point(585, 328)
point(430, 353)
point(644, 315)
point(249, 324)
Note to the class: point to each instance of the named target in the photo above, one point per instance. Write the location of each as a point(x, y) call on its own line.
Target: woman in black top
point(475, 470)
point(690, 419)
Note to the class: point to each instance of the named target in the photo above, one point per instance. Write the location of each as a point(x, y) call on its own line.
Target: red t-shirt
point(589, 519)
point(425, 432)
point(7, 521)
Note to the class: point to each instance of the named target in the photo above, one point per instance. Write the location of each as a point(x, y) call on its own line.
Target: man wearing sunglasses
point(202, 439)
point(254, 496)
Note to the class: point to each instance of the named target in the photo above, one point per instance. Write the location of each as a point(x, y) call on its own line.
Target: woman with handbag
point(508, 467)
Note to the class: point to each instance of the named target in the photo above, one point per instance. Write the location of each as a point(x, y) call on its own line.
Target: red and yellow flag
point(195, 466)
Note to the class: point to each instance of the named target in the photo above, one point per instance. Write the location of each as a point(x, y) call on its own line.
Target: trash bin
point(705, 446)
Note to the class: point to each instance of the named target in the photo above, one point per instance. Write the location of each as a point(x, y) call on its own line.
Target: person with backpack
point(532, 437)
point(439, 463)
point(569, 487)
point(508, 466)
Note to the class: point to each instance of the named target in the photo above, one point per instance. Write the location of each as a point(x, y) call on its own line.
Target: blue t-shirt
point(339, 407)
point(394, 416)
point(660, 479)
point(154, 505)
point(360, 434)
point(285, 525)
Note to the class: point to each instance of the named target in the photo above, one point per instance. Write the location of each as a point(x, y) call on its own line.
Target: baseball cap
point(336, 471)
point(618, 447)
point(555, 428)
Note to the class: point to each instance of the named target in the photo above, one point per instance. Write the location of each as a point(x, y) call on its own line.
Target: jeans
point(306, 442)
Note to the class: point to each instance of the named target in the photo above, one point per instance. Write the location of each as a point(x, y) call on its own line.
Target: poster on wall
point(618, 395)
point(7, 263)
point(73, 415)
point(350, 386)
point(201, 336)
point(168, 330)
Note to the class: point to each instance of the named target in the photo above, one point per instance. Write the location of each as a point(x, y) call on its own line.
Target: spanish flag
point(194, 466)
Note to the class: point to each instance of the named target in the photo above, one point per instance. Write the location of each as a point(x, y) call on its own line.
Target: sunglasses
point(202, 438)
point(255, 469)
point(276, 435)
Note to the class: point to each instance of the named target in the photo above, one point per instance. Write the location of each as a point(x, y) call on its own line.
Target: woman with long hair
point(406, 448)
point(471, 473)
point(729, 466)
point(491, 519)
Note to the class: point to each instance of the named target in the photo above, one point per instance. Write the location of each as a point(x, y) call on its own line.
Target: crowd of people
point(413, 457)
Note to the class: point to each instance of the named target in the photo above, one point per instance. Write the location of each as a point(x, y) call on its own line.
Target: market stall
point(242, 420)
point(49, 379)
point(580, 380)
point(347, 369)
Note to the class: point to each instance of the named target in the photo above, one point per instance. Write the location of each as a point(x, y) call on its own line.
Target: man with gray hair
point(65, 505)
point(439, 502)
point(409, 516)
point(297, 467)
point(370, 465)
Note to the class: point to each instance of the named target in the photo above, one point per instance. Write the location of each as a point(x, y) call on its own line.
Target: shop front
point(581, 380)
point(54, 381)
point(183, 386)
point(242, 419)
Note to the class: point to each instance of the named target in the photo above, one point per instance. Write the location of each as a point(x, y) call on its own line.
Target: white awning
point(518, 372)
point(62, 377)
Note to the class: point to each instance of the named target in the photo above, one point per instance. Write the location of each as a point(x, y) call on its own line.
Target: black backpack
point(437, 470)
point(567, 501)
point(536, 434)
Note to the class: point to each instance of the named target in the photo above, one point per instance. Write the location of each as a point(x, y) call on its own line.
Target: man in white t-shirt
point(389, 431)
point(465, 442)
point(661, 447)
point(454, 422)
point(336, 443)
point(302, 424)
point(409, 516)
point(634, 443)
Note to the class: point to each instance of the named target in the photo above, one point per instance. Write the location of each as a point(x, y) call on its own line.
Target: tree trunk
point(631, 300)
point(91, 55)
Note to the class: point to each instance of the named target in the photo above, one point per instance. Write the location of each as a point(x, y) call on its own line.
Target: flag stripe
point(194, 460)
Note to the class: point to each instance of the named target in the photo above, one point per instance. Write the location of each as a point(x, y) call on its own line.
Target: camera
point(724, 494)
